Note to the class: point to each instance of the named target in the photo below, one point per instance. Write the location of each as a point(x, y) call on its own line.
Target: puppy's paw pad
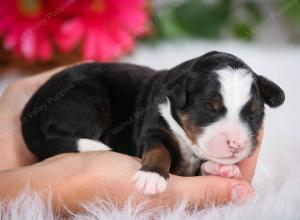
point(230, 171)
point(149, 182)
point(210, 168)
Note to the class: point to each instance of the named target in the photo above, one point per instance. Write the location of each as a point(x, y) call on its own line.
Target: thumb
point(213, 190)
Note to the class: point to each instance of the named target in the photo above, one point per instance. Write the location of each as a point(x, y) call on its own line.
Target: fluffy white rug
point(277, 179)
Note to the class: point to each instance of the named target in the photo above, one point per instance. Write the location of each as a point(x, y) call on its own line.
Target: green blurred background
point(277, 20)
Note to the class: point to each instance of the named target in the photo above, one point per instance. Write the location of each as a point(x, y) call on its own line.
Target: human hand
point(77, 178)
point(12, 103)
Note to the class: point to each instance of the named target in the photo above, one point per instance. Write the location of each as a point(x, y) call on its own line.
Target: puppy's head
point(220, 106)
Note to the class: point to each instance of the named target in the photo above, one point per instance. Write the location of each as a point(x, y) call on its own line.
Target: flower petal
point(124, 39)
point(11, 40)
point(4, 23)
point(107, 48)
point(89, 49)
point(28, 46)
point(45, 48)
point(69, 34)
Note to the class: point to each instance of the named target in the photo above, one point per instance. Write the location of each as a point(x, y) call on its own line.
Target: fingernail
point(241, 192)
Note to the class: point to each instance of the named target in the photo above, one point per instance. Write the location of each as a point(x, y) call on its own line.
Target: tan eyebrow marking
point(253, 106)
point(217, 103)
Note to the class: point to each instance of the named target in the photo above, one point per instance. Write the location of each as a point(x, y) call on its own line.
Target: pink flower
point(106, 28)
point(26, 28)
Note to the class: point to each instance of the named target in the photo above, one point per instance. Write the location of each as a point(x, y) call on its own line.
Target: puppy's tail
point(54, 146)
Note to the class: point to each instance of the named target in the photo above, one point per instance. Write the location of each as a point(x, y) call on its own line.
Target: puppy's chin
point(225, 161)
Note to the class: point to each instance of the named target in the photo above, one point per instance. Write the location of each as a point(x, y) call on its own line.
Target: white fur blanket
point(277, 179)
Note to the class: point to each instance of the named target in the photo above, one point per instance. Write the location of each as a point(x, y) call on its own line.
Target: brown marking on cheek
point(191, 130)
point(157, 159)
point(260, 134)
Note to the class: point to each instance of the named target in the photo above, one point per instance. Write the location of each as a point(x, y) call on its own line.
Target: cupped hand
point(77, 178)
point(74, 179)
point(14, 152)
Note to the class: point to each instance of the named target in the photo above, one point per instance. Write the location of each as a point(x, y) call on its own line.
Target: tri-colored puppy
point(204, 113)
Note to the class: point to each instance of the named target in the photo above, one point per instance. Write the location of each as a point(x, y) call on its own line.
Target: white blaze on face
point(235, 89)
point(228, 140)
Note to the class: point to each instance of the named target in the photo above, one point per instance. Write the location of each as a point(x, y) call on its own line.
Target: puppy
point(205, 112)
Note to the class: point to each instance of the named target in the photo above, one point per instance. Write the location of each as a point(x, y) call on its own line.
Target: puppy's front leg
point(153, 176)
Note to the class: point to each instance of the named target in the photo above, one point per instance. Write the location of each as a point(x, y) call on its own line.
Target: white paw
point(149, 182)
point(211, 168)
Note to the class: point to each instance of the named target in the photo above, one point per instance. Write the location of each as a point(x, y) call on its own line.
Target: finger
point(247, 166)
point(211, 190)
point(229, 171)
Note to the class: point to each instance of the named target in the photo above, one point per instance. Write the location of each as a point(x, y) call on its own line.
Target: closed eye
point(251, 109)
point(217, 103)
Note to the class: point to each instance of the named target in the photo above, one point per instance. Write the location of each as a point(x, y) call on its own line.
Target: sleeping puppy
point(205, 112)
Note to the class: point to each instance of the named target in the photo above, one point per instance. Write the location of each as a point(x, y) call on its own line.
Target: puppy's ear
point(177, 93)
point(177, 86)
point(180, 97)
point(272, 94)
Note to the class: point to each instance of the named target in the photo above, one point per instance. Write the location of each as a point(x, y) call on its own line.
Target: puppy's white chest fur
point(190, 165)
point(191, 162)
